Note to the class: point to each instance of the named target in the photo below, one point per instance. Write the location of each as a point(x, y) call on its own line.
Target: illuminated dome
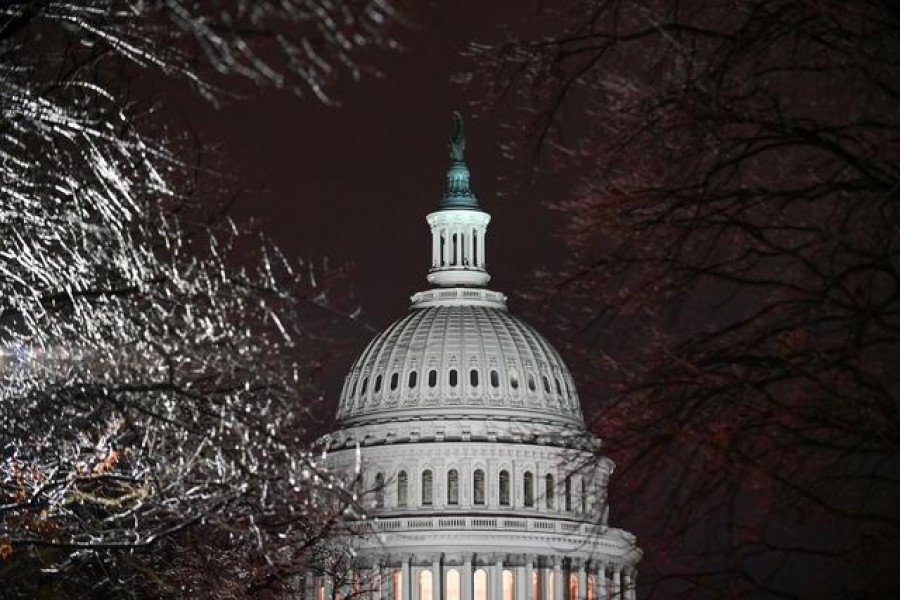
point(459, 352)
point(462, 430)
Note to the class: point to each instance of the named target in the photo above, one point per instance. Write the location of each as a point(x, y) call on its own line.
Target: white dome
point(459, 353)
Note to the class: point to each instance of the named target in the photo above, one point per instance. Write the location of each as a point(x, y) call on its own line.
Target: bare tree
point(735, 276)
point(149, 376)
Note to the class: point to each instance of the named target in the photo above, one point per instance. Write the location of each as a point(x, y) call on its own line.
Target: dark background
point(352, 183)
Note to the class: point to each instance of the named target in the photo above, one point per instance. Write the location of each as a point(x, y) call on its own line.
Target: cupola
point(459, 225)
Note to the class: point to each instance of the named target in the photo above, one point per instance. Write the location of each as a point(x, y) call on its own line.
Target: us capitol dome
point(464, 424)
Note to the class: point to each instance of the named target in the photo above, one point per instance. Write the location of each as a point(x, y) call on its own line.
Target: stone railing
point(476, 523)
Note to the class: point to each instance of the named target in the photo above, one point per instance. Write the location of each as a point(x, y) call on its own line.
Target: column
point(582, 582)
point(529, 576)
point(480, 247)
point(309, 586)
point(602, 589)
point(467, 591)
point(405, 579)
point(558, 577)
point(617, 582)
point(544, 583)
point(631, 584)
point(520, 582)
point(435, 247)
point(387, 586)
point(496, 581)
point(437, 579)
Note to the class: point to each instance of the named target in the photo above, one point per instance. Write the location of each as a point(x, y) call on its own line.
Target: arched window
point(504, 488)
point(432, 378)
point(546, 384)
point(379, 490)
point(425, 585)
point(513, 380)
point(453, 378)
point(531, 385)
point(395, 380)
point(427, 488)
point(473, 377)
point(509, 585)
point(453, 587)
point(412, 379)
point(453, 487)
point(568, 490)
point(528, 484)
point(402, 488)
point(398, 584)
point(378, 384)
point(548, 490)
point(480, 585)
point(478, 486)
point(495, 378)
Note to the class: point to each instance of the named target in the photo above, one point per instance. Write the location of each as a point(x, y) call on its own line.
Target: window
point(395, 380)
point(531, 385)
point(548, 490)
point(583, 496)
point(398, 584)
point(478, 486)
point(568, 496)
point(402, 485)
point(363, 390)
point(474, 247)
point(480, 585)
point(558, 387)
point(455, 248)
point(473, 377)
point(504, 488)
point(378, 384)
point(432, 378)
point(379, 490)
point(453, 487)
point(528, 484)
point(509, 585)
point(412, 379)
point(453, 587)
point(453, 378)
point(427, 488)
point(495, 378)
point(546, 384)
point(425, 585)
point(443, 249)
point(513, 380)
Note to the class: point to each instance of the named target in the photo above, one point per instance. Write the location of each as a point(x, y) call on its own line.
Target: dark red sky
point(354, 183)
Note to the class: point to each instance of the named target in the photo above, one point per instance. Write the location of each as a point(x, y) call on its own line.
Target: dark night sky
point(354, 183)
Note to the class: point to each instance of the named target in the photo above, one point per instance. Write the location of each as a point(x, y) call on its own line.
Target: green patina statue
point(457, 138)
